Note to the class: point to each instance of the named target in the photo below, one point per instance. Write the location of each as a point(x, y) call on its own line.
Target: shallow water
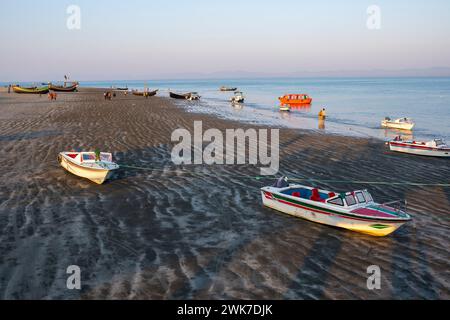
point(355, 106)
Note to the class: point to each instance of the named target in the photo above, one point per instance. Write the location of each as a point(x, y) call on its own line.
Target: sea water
point(354, 106)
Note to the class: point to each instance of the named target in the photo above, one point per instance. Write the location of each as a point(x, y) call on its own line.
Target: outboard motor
point(281, 183)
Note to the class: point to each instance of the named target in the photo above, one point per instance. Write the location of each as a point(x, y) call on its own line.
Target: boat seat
point(296, 194)
point(331, 194)
point(316, 196)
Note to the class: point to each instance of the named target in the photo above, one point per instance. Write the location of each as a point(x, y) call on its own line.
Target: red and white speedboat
point(433, 148)
point(350, 210)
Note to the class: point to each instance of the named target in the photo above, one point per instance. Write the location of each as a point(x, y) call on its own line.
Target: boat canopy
point(350, 199)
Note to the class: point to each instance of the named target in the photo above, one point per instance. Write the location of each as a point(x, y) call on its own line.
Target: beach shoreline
point(158, 232)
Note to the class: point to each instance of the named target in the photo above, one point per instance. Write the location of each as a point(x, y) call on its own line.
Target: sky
point(159, 39)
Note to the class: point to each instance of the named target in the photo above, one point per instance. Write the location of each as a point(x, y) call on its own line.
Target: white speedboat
point(355, 210)
point(89, 165)
point(238, 97)
point(433, 148)
point(193, 96)
point(400, 123)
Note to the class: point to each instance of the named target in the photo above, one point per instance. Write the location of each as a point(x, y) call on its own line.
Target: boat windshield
point(360, 197)
point(439, 142)
point(89, 156)
point(368, 196)
point(350, 199)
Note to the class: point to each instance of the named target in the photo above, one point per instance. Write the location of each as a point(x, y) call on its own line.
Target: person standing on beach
point(322, 114)
point(9, 88)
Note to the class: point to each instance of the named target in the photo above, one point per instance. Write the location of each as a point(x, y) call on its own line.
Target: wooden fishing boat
point(295, 100)
point(145, 93)
point(238, 97)
point(433, 148)
point(32, 90)
point(355, 210)
point(71, 88)
point(223, 88)
point(185, 96)
point(88, 165)
point(400, 123)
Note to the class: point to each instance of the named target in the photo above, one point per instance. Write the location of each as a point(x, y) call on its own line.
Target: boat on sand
point(185, 96)
point(71, 88)
point(354, 210)
point(433, 148)
point(145, 93)
point(400, 123)
point(96, 167)
point(32, 90)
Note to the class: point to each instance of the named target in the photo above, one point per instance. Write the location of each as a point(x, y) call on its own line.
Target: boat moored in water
point(238, 97)
point(89, 165)
point(355, 210)
point(433, 148)
point(400, 123)
point(295, 100)
point(223, 88)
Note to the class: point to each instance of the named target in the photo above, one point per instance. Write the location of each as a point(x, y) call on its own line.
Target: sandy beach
point(197, 231)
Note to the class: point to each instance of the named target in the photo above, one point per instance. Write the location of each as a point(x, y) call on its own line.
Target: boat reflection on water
point(237, 105)
point(285, 114)
point(321, 124)
point(392, 133)
point(304, 108)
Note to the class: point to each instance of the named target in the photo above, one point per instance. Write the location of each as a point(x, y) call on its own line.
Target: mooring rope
point(294, 179)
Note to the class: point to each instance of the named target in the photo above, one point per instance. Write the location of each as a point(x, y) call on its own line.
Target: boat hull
point(71, 88)
point(401, 126)
point(419, 150)
point(178, 96)
point(95, 175)
point(42, 90)
point(287, 101)
point(373, 227)
point(145, 94)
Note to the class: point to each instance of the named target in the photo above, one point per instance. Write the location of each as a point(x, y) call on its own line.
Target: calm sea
point(355, 106)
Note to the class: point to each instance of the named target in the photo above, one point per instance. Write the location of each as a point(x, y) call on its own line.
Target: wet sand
point(198, 231)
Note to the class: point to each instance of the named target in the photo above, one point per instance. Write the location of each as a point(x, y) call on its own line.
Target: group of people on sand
point(52, 96)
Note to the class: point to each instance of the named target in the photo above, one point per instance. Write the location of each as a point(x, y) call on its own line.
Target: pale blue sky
point(166, 39)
